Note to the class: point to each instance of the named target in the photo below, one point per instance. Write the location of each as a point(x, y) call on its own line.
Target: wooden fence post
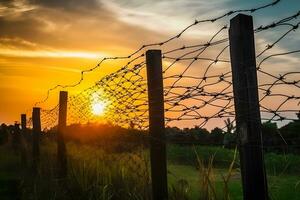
point(157, 125)
point(36, 128)
point(23, 122)
point(24, 155)
point(62, 123)
point(245, 89)
point(16, 138)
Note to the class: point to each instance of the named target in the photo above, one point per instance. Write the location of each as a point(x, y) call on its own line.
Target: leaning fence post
point(157, 125)
point(62, 123)
point(36, 128)
point(245, 89)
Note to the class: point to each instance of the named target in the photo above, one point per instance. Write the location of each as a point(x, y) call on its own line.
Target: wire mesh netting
point(198, 93)
point(197, 79)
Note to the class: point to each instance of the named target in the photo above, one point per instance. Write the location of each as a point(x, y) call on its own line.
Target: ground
point(282, 186)
point(10, 174)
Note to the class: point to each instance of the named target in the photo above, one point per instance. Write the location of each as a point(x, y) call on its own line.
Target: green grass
point(96, 174)
point(282, 187)
point(10, 174)
point(283, 171)
point(9, 164)
point(275, 163)
point(93, 174)
point(186, 154)
point(191, 175)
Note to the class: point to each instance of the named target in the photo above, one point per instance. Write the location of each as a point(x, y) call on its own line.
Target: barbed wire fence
point(181, 84)
point(197, 77)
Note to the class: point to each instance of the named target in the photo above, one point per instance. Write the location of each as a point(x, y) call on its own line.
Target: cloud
point(53, 38)
point(68, 5)
point(50, 54)
point(14, 7)
point(73, 25)
point(166, 15)
point(14, 43)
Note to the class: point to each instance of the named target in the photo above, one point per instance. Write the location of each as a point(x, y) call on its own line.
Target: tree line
point(285, 139)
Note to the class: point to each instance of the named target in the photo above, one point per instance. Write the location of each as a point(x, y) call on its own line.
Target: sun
point(98, 108)
point(99, 103)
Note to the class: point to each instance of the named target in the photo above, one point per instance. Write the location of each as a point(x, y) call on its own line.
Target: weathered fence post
point(245, 89)
point(36, 128)
point(23, 122)
point(16, 138)
point(62, 123)
point(157, 125)
point(23, 143)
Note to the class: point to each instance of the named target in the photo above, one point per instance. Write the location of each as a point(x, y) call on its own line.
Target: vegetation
point(277, 140)
point(95, 174)
point(114, 163)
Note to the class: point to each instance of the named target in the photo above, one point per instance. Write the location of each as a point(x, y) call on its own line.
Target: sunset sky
point(48, 42)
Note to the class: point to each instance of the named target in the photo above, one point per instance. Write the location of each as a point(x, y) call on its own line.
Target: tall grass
point(95, 173)
point(211, 183)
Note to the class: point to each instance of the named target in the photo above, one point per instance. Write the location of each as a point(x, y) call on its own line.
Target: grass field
point(95, 174)
point(281, 187)
point(282, 170)
point(10, 174)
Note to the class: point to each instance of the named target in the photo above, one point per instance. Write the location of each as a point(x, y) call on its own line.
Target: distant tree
point(173, 131)
point(216, 136)
point(230, 137)
point(291, 134)
point(216, 131)
point(201, 134)
point(201, 131)
point(285, 139)
point(270, 135)
point(269, 130)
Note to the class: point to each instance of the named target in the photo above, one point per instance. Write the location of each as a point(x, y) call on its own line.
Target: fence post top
point(153, 51)
point(36, 111)
point(241, 17)
point(241, 23)
point(63, 92)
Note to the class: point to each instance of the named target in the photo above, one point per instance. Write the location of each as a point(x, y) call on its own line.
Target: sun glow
point(98, 108)
point(98, 104)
